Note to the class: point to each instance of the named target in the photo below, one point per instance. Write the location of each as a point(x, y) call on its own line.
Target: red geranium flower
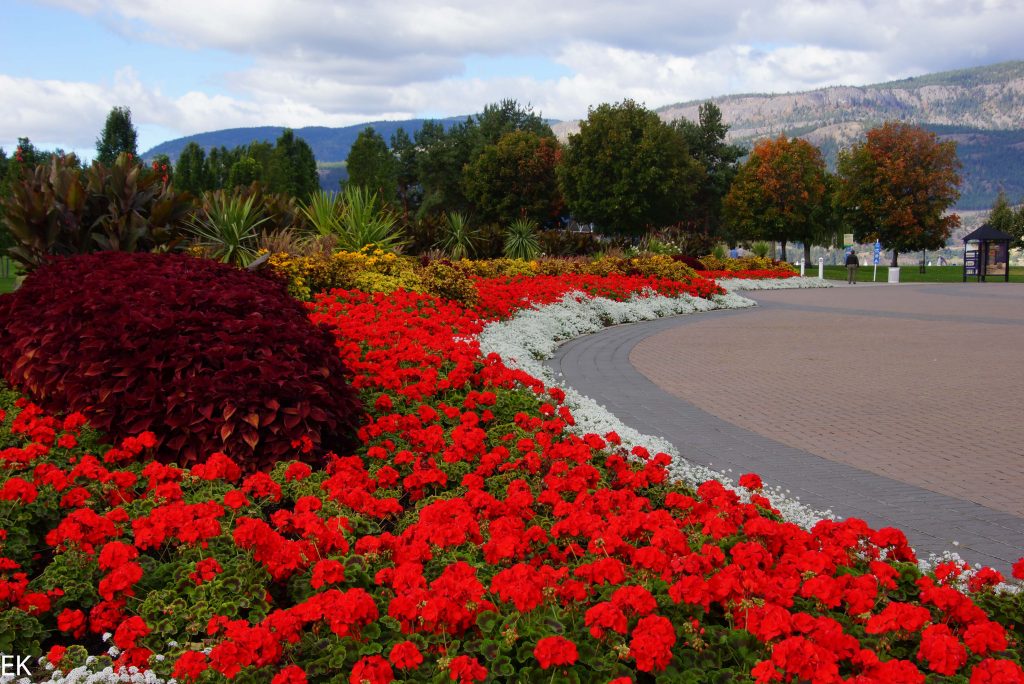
point(555, 650)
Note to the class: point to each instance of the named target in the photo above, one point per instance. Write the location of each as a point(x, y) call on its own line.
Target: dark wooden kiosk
point(987, 253)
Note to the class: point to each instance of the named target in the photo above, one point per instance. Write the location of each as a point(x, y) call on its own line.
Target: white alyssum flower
point(802, 282)
point(531, 336)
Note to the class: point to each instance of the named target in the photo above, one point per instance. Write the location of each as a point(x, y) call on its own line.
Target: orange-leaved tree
point(896, 187)
point(780, 194)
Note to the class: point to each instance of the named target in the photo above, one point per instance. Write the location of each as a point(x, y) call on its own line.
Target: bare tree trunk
point(895, 257)
point(807, 252)
point(784, 251)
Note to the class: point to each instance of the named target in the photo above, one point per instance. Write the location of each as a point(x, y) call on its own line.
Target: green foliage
point(324, 210)
point(59, 210)
point(292, 168)
point(515, 177)
point(245, 171)
point(1007, 219)
point(355, 218)
point(761, 249)
point(627, 171)
point(410, 194)
point(706, 143)
point(227, 228)
point(507, 116)
point(521, 240)
point(458, 239)
point(190, 171)
point(440, 159)
point(372, 165)
point(896, 187)
point(118, 137)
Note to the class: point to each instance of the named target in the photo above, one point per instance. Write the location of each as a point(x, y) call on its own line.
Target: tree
point(1007, 219)
point(500, 119)
point(190, 170)
point(706, 142)
point(896, 187)
point(440, 159)
point(119, 136)
point(410, 193)
point(516, 178)
point(245, 171)
point(627, 170)
point(292, 170)
point(372, 165)
point(780, 194)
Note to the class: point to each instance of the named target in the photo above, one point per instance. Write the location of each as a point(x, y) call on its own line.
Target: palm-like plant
point(365, 221)
point(356, 218)
point(227, 228)
point(324, 211)
point(521, 240)
point(458, 238)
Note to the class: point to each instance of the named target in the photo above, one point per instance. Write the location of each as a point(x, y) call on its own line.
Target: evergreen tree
point(706, 142)
point(218, 166)
point(1007, 219)
point(119, 136)
point(245, 171)
point(410, 193)
point(292, 167)
point(440, 159)
point(372, 165)
point(500, 119)
point(190, 171)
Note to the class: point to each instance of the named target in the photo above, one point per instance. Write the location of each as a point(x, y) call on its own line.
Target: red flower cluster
point(471, 534)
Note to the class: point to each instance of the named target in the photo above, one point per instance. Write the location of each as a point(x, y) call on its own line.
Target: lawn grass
point(7, 275)
point(912, 274)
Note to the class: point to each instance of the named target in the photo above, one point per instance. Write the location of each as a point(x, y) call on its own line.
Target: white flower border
point(531, 336)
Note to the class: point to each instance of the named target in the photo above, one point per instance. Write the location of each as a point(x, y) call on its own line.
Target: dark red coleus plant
point(204, 355)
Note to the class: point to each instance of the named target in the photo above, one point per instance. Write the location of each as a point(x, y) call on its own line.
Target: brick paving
point(896, 404)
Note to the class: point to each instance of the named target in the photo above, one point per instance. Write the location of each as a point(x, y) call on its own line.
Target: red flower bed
point(753, 274)
point(470, 538)
point(502, 297)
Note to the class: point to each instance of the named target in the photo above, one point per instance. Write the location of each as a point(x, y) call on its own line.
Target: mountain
point(330, 145)
point(982, 109)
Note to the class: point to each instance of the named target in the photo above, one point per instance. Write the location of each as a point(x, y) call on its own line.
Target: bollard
point(801, 268)
point(821, 268)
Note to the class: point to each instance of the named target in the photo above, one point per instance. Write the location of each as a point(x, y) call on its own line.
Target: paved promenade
point(898, 404)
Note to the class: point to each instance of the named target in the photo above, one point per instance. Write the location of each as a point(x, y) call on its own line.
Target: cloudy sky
point(188, 66)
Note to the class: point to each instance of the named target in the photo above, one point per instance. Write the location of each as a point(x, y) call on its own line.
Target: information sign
point(878, 251)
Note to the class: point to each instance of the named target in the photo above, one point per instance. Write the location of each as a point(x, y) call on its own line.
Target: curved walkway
point(895, 404)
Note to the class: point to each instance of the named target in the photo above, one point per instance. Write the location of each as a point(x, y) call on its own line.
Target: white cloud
point(327, 62)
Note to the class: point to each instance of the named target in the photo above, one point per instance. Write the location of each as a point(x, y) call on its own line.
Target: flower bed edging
point(530, 337)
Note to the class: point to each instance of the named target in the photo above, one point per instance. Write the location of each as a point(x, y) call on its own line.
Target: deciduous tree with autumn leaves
point(896, 187)
point(781, 193)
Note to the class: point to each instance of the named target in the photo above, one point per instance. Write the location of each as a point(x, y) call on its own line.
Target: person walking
point(852, 264)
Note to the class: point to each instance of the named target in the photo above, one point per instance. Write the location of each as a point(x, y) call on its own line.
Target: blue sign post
point(878, 251)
